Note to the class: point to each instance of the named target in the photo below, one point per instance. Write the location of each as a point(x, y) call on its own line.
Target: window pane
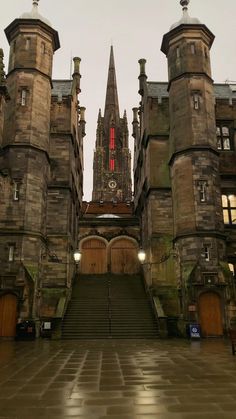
point(225, 131)
point(233, 216)
point(231, 268)
point(226, 216)
point(226, 143)
point(219, 143)
point(232, 201)
point(224, 201)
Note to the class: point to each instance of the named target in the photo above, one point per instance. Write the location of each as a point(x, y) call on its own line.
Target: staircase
point(109, 306)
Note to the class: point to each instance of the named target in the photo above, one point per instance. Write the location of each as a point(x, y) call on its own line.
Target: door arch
point(8, 312)
point(94, 256)
point(123, 255)
point(210, 313)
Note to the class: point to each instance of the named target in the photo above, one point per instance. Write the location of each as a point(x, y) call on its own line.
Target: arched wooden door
point(210, 314)
point(8, 311)
point(124, 257)
point(94, 257)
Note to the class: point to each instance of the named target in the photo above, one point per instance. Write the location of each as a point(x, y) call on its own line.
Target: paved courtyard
point(171, 379)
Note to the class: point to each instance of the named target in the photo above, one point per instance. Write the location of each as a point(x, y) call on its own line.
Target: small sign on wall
point(192, 308)
point(194, 331)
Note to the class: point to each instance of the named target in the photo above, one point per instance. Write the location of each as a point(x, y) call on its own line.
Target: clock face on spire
point(112, 184)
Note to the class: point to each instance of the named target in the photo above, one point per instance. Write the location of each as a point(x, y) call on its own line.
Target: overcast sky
point(135, 28)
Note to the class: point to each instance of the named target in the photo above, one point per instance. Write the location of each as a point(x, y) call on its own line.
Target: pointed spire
point(112, 103)
point(99, 115)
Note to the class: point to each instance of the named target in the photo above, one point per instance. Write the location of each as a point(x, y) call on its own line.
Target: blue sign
point(194, 331)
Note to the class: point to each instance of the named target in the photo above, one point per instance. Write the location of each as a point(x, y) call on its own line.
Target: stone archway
point(123, 256)
point(8, 313)
point(94, 256)
point(210, 314)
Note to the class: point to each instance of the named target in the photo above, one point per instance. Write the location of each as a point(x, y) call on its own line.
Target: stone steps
point(106, 306)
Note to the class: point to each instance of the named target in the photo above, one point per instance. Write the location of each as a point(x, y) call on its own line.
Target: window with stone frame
point(206, 252)
point(224, 136)
point(16, 191)
point(196, 98)
point(202, 187)
point(23, 96)
point(27, 43)
point(11, 251)
point(232, 268)
point(229, 209)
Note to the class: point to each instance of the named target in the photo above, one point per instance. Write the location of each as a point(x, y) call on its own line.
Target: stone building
point(41, 164)
point(182, 213)
point(184, 183)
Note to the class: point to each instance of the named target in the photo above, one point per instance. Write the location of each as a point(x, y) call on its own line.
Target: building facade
point(41, 174)
point(183, 212)
point(184, 180)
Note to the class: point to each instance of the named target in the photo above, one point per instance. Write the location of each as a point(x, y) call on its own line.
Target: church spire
point(112, 103)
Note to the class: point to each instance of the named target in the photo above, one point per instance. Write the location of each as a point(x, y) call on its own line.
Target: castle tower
point(3, 94)
point(111, 167)
point(25, 148)
point(194, 159)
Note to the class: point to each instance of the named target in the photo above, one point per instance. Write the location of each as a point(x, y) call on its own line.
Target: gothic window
point(196, 101)
point(43, 48)
point(23, 97)
point(193, 48)
point(229, 209)
point(231, 268)
point(11, 253)
point(27, 43)
point(112, 147)
point(202, 190)
point(16, 194)
point(177, 52)
point(112, 165)
point(112, 138)
point(224, 137)
point(206, 253)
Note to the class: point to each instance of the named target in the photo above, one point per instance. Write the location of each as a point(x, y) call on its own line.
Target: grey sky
point(135, 27)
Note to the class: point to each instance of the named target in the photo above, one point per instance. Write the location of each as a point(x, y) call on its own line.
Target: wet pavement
point(123, 379)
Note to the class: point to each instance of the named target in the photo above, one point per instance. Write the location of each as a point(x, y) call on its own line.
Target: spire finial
point(184, 4)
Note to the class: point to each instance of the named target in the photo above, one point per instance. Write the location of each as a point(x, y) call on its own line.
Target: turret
point(32, 44)
point(194, 160)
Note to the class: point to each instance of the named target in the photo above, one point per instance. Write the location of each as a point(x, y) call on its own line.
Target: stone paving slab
point(123, 379)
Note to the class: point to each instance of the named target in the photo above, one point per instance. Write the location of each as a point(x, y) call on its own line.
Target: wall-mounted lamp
point(77, 256)
point(141, 256)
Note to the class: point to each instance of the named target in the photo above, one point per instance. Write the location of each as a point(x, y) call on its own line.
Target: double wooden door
point(120, 257)
point(8, 312)
point(210, 313)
